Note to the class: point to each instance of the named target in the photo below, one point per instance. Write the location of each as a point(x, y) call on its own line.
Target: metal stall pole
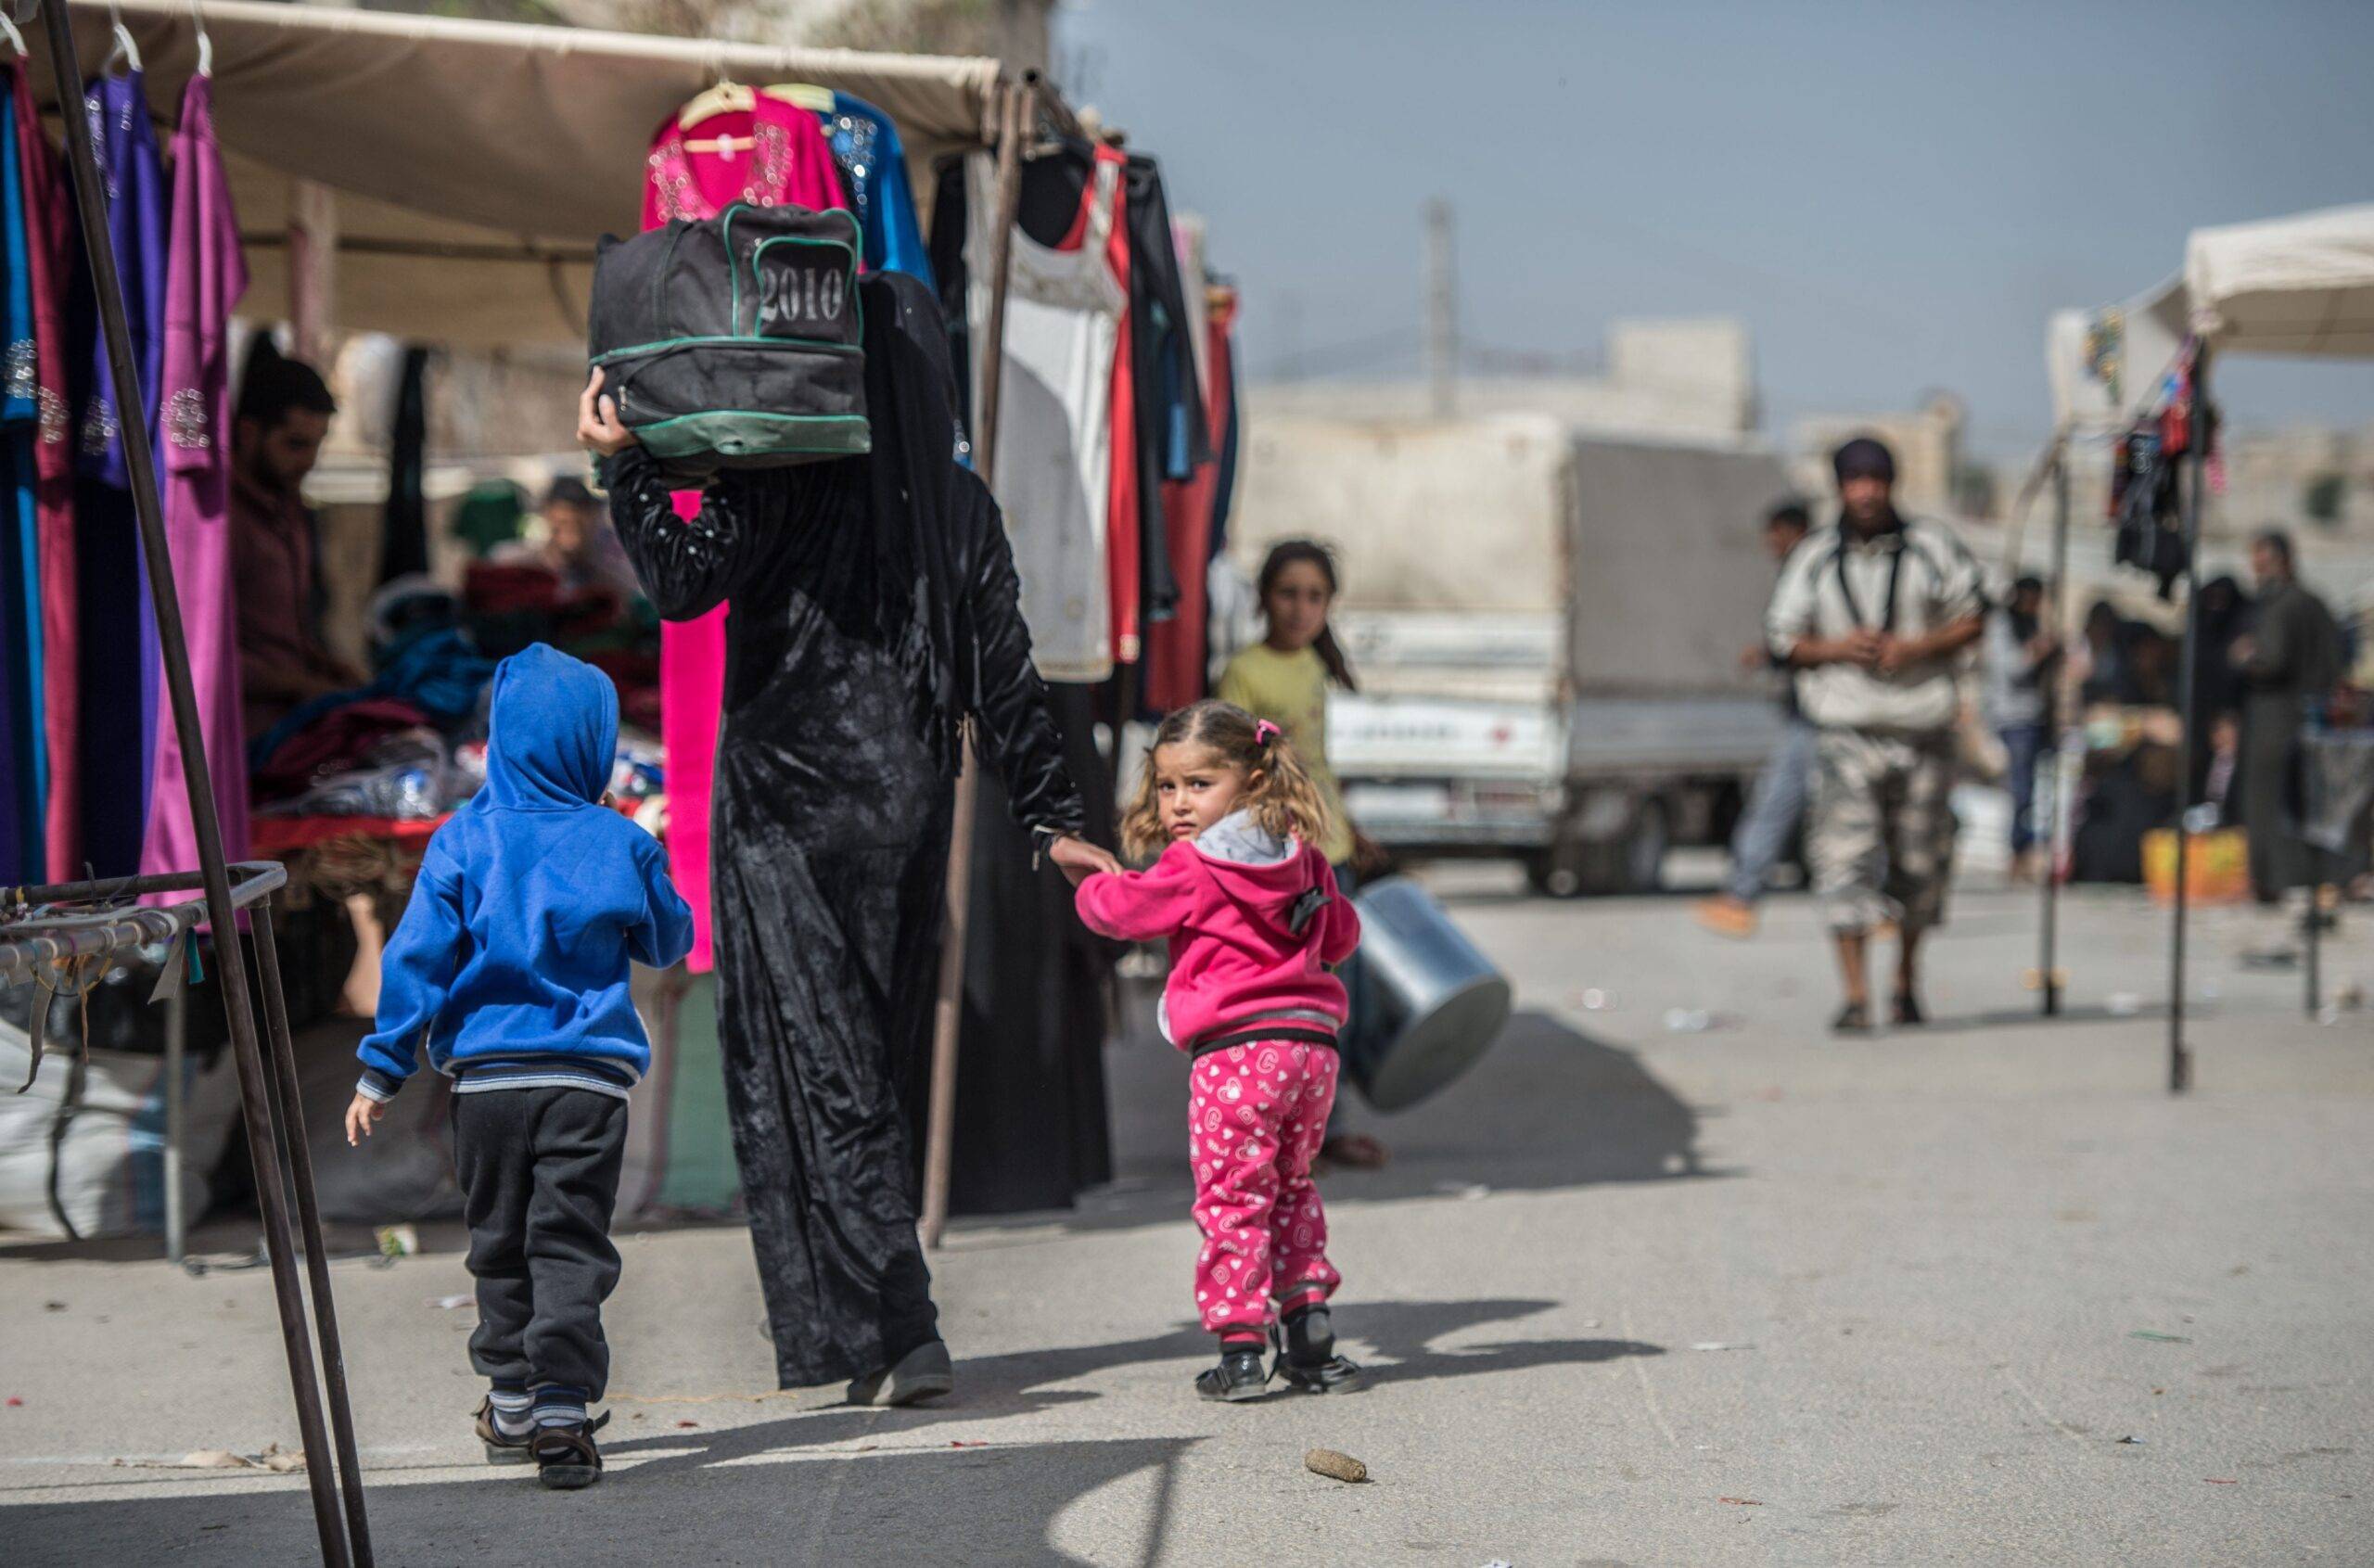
point(2055, 694)
point(2314, 956)
point(2196, 494)
point(289, 1108)
point(177, 1103)
point(90, 203)
point(939, 1127)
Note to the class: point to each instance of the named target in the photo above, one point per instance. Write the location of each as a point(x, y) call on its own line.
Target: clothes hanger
point(814, 100)
point(726, 97)
point(126, 53)
point(205, 44)
point(14, 39)
point(724, 147)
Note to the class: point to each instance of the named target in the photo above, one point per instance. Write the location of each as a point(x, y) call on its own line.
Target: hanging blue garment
point(24, 792)
point(874, 166)
point(120, 667)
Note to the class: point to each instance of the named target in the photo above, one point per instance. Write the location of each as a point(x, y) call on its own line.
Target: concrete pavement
point(1632, 1293)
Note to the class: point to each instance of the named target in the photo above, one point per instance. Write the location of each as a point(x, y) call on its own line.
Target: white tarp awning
point(475, 164)
point(2296, 285)
point(2105, 363)
point(2302, 285)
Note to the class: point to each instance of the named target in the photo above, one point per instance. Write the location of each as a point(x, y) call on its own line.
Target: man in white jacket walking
point(1871, 613)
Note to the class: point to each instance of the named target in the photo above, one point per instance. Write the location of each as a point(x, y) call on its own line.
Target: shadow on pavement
point(1547, 1108)
point(837, 1485)
point(1395, 1339)
point(905, 1503)
point(2014, 1017)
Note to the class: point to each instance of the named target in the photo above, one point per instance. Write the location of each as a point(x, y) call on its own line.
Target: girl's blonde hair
point(1282, 797)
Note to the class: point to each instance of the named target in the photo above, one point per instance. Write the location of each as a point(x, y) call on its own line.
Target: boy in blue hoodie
point(511, 963)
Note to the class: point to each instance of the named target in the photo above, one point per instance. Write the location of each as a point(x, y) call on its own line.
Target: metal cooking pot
point(1435, 1003)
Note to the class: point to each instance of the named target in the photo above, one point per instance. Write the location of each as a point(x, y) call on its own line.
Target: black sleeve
point(1152, 248)
point(1013, 728)
point(688, 567)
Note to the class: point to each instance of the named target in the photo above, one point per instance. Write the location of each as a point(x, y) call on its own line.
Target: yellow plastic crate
point(2217, 866)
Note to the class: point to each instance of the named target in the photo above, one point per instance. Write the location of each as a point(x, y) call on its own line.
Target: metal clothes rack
point(268, 1090)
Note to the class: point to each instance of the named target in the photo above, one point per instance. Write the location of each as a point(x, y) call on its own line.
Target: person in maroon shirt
point(284, 414)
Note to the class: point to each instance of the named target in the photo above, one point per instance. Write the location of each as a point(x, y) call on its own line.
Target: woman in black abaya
point(874, 607)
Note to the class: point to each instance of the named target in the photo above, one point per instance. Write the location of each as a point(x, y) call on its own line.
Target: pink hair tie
point(1264, 731)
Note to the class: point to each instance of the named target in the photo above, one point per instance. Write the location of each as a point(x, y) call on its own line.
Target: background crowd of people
point(2265, 663)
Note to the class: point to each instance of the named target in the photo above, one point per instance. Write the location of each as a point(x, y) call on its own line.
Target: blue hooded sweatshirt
point(511, 960)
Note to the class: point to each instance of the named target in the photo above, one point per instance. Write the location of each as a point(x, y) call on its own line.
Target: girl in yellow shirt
point(1284, 677)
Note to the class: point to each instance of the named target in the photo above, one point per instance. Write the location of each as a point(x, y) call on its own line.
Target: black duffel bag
point(735, 342)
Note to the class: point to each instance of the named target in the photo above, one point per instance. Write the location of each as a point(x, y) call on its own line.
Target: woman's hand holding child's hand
point(1080, 859)
point(361, 1112)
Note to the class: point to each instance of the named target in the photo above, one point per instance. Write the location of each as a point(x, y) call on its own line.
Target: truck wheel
point(1557, 871)
point(1645, 847)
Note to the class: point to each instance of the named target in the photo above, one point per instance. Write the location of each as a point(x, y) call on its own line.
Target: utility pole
point(1442, 311)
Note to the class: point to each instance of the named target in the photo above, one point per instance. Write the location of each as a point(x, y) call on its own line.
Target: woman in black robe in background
point(875, 606)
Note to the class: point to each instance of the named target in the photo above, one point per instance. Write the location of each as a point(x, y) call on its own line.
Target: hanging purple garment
point(120, 666)
point(205, 275)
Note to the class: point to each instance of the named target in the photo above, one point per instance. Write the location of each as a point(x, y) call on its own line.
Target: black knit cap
point(1864, 458)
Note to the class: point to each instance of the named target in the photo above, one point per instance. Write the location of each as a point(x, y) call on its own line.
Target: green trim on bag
point(734, 272)
point(748, 433)
point(737, 341)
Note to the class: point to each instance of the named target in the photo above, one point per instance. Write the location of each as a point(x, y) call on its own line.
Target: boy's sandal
point(566, 1456)
point(500, 1447)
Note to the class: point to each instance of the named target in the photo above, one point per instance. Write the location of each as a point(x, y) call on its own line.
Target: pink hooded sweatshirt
point(1228, 902)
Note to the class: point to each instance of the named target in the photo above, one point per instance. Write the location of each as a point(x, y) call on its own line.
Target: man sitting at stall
point(575, 543)
point(283, 412)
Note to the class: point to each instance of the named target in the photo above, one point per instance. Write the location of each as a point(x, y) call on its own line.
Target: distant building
point(2319, 482)
point(1695, 378)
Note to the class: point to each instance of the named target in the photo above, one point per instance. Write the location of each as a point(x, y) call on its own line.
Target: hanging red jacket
point(1177, 649)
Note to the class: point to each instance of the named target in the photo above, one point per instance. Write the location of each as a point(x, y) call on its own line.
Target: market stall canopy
point(2106, 363)
point(474, 165)
point(2302, 286)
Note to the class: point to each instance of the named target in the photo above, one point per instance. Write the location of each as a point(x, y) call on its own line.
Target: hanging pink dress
point(48, 220)
point(789, 165)
point(205, 275)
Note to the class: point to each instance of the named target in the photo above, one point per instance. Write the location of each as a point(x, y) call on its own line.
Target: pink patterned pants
point(1257, 1114)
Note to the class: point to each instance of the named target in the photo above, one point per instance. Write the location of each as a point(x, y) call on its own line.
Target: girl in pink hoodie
point(1255, 928)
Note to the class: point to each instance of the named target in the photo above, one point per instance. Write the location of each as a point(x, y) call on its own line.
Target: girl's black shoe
point(566, 1456)
point(1307, 1357)
point(1239, 1377)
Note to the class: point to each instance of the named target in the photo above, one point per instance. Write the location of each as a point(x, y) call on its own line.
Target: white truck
point(1547, 628)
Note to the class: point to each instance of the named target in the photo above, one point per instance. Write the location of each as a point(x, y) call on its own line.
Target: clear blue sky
point(1893, 196)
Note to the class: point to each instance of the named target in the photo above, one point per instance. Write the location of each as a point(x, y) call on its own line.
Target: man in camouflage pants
point(1871, 612)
